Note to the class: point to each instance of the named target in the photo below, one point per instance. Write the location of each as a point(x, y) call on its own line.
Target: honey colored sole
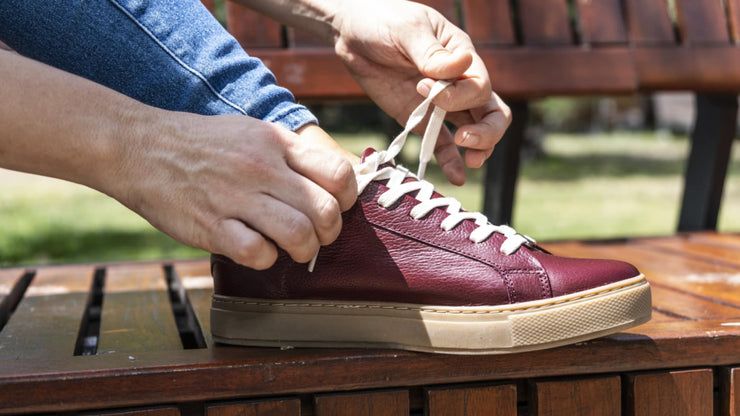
point(442, 329)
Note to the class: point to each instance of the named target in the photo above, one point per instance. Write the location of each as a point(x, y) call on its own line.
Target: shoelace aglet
point(312, 263)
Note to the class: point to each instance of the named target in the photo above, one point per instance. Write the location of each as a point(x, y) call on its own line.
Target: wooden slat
point(687, 306)
point(282, 407)
point(9, 280)
point(498, 400)
point(545, 22)
point(709, 283)
point(137, 314)
point(649, 22)
point(158, 411)
point(198, 283)
point(675, 393)
point(488, 22)
point(729, 392)
point(602, 22)
point(702, 22)
point(592, 396)
point(384, 403)
point(251, 29)
point(697, 249)
point(47, 321)
point(531, 72)
point(733, 14)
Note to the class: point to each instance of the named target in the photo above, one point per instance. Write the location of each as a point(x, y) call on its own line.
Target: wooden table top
point(115, 331)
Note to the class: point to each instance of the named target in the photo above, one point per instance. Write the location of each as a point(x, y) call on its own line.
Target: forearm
point(315, 16)
point(60, 125)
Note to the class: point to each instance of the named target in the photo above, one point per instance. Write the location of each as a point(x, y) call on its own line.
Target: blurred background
point(593, 168)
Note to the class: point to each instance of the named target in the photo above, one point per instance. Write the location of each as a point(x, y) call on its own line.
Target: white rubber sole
point(441, 329)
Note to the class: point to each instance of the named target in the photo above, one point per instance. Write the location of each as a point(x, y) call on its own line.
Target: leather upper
point(383, 254)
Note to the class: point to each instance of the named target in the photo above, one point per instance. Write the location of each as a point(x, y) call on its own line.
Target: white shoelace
point(368, 171)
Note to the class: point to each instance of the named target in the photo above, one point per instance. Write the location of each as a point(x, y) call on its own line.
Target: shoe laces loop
point(369, 170)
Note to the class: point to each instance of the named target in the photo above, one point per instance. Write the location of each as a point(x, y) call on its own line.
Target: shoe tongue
point(369, 151)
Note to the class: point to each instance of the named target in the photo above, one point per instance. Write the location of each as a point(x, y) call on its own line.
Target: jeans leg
point(170, 54)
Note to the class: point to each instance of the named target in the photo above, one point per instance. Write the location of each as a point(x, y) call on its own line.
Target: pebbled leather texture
point(383, 254)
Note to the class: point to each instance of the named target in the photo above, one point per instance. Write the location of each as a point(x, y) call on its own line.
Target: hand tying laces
point(368, 171)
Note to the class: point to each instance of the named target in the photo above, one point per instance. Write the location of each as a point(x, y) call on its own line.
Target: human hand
point(397, 49)
point(237, 186)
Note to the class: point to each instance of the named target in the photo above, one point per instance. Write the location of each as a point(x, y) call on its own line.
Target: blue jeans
point(170, 54)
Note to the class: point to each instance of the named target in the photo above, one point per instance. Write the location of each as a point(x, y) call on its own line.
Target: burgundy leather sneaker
point(412, 270)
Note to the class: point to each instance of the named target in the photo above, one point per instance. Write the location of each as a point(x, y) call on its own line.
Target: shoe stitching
point(416, 309)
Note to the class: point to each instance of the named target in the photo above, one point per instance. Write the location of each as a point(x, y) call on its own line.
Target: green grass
point(597, 186)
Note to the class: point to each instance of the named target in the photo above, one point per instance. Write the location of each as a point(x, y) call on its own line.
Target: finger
point(235, 240)
point(288, 227)
point(449, 158)
point(474, 158)
point(327, 169)
point(472, 89)
point(431, 57)
point(492, 121)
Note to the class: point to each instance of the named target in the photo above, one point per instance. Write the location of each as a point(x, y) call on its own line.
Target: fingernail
point(423, 88)
point(470, 138)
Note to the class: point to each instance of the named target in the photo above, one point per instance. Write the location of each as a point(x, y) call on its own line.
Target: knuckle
point(255, 254)
point(329, 222)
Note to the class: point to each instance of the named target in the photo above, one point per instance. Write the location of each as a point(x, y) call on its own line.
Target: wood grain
point(588, 396)
point(496, 400)
point(729, 392)
point(279, 407)
point(48, 318)
point(198, 283)
point(675, 393)
point(545, 22)
point(702, 22)
point(384, 403)
point(602, 22)
point(137, 314)
point(488, 22)
point(649, 22)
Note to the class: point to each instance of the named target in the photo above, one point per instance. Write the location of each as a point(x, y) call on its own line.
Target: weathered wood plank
point(198, 283)
point(497, 400)
point(699, 69)
point(158, 411)
point(280, 407)
point(137, 314)
point(383, 403)
point(488, 22)
point(535, 72)
point(588, 396)
point(545, 22)
point(47, 321)
point(729, 392)
point(602, 22)
point(675, 393)
point(702, 22)
point(251, 29)
point(9, 281)
point(649, 22)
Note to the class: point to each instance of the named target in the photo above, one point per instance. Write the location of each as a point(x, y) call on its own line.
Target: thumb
point(435, 61)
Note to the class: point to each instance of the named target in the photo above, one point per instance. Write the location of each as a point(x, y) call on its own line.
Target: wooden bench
point(134, 339)
point(536, 48)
